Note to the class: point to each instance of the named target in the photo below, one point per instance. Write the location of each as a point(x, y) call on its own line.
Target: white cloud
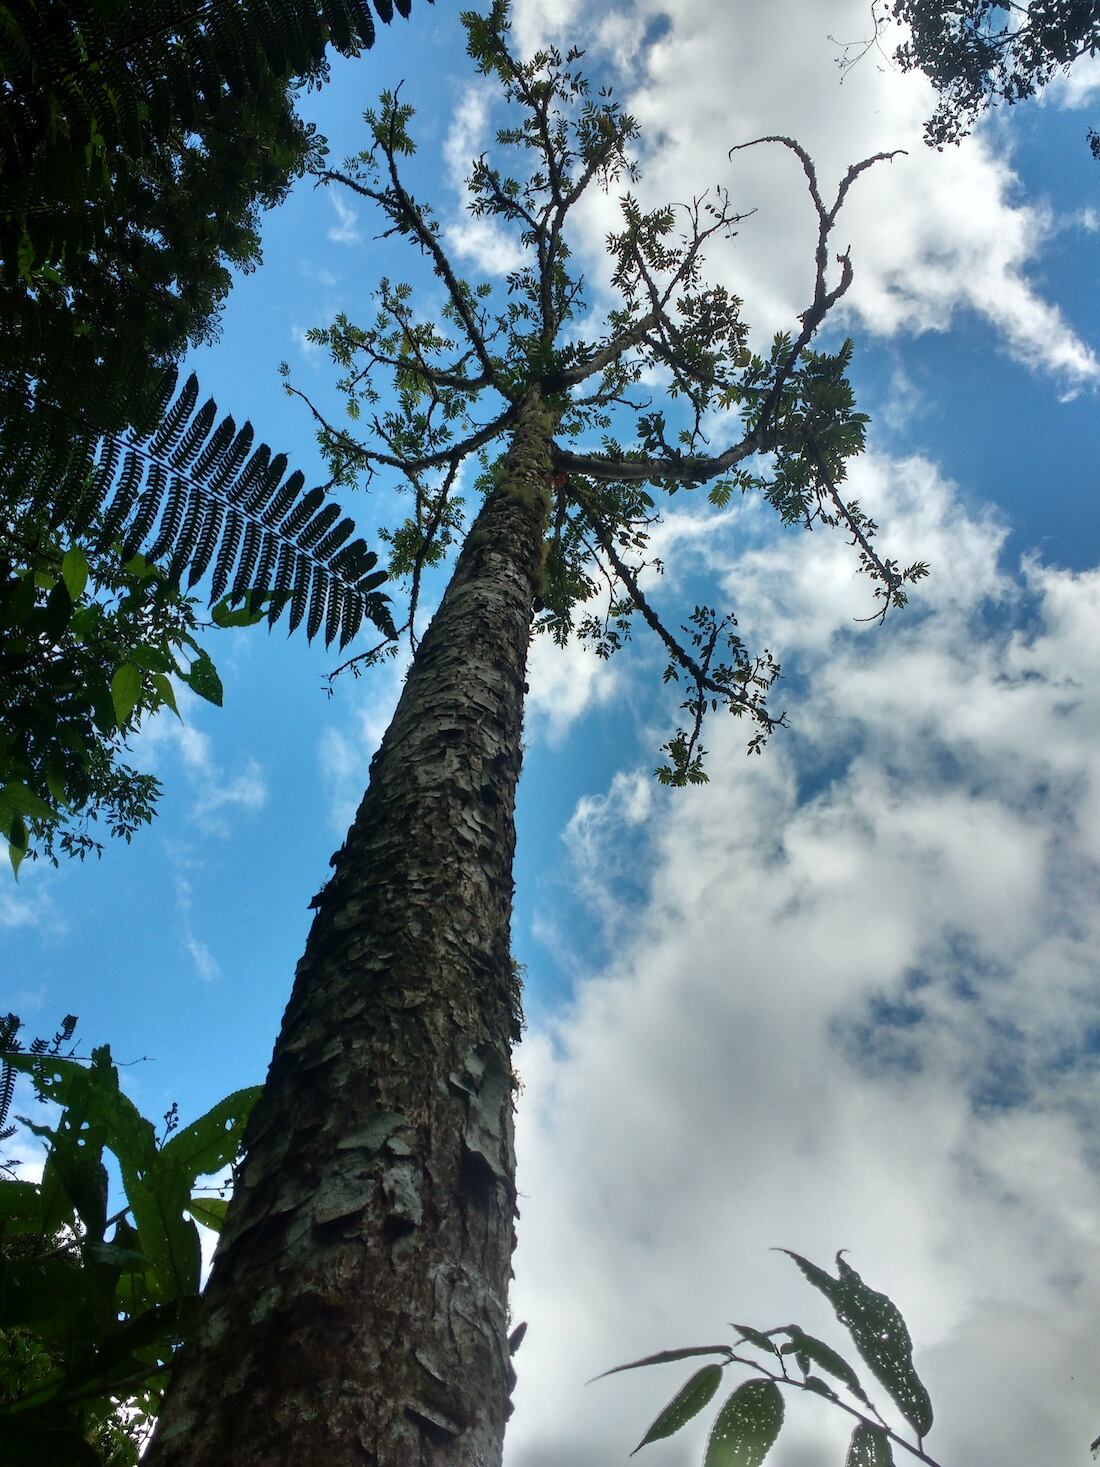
point(932, 234)
point(564, 683)
point(481, 240)
point(856, 1007)
point(30, 903)
point(1077, 87)
point(216, 793)
point(345, 754)
point(206, 964)
point(346, 230)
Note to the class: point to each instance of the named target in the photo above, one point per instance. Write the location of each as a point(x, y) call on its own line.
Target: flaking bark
point(357, 1307)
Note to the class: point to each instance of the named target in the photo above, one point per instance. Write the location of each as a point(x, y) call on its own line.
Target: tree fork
point(357, 1308)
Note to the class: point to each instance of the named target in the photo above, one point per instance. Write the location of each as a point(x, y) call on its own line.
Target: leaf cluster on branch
point(787, 1359)
point(92, 570)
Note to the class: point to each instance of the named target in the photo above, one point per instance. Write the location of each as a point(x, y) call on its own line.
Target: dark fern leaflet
point(10, 1025)
point(196, 490)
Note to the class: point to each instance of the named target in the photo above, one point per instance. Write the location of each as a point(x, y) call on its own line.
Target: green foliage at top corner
point(95, 1303)
point(981, 53)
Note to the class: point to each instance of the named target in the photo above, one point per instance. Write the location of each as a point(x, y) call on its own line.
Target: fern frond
point(198, 501)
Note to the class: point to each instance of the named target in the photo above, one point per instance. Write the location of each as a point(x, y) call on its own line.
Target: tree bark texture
point(356, 1313)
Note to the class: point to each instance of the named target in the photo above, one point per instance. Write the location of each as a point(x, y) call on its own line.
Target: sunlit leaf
point(125, 692)
point(745, 1429)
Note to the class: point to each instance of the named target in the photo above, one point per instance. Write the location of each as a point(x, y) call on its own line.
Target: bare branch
point(410, 214)
point(654, 622)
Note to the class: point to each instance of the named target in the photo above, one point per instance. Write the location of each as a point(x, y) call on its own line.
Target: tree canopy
point(979, 53)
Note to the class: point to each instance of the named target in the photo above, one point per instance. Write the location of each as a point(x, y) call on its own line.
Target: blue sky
point(847, 994)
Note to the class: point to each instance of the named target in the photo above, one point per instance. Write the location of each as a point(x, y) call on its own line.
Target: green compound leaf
point(688, 1401)
point(879, 1334)
point(869, 1447)
point(745, 1429)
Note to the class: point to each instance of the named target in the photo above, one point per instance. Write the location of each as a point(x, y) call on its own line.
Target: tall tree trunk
point(357, 1308)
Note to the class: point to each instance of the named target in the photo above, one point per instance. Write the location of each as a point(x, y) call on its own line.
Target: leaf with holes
point(805, 1348)
point(202, 678)
point(745, 1429)
point(879, 1333)
point(688, 1401)
point(210, 1143)
point(869, 1447)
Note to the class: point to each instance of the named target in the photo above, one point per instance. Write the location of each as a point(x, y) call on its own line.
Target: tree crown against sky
point(979, 53)
point(670, 374)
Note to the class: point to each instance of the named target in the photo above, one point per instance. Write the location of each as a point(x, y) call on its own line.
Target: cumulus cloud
point(564, 683)
point(855, 1006)
point(219, 797)
point(491, 249)
point(346, 230)
point(932, 234)
point(205, 963)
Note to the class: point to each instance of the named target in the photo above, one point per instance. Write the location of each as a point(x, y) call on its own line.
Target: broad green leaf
point(869, 1447)
point(74, 1178)
point(165, 692)
point(666, 1357)
point(688, 1401)
point(20, 1206)
point(74, 572)
point(208, 1211)
point(142, 569)
point(95, 1114)
point(211, 1142)
point(153, 659)
point(55, 616)
point(879, 1334)
point(805, 1348)
point(55, 783)
point(51, 1297)
point(125, 691)
point(17, 843)
point(225, 614)
point(24, 801)
point(169, 1240)
point(202, 678)
point(745, 1429)
point(131, 1347)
